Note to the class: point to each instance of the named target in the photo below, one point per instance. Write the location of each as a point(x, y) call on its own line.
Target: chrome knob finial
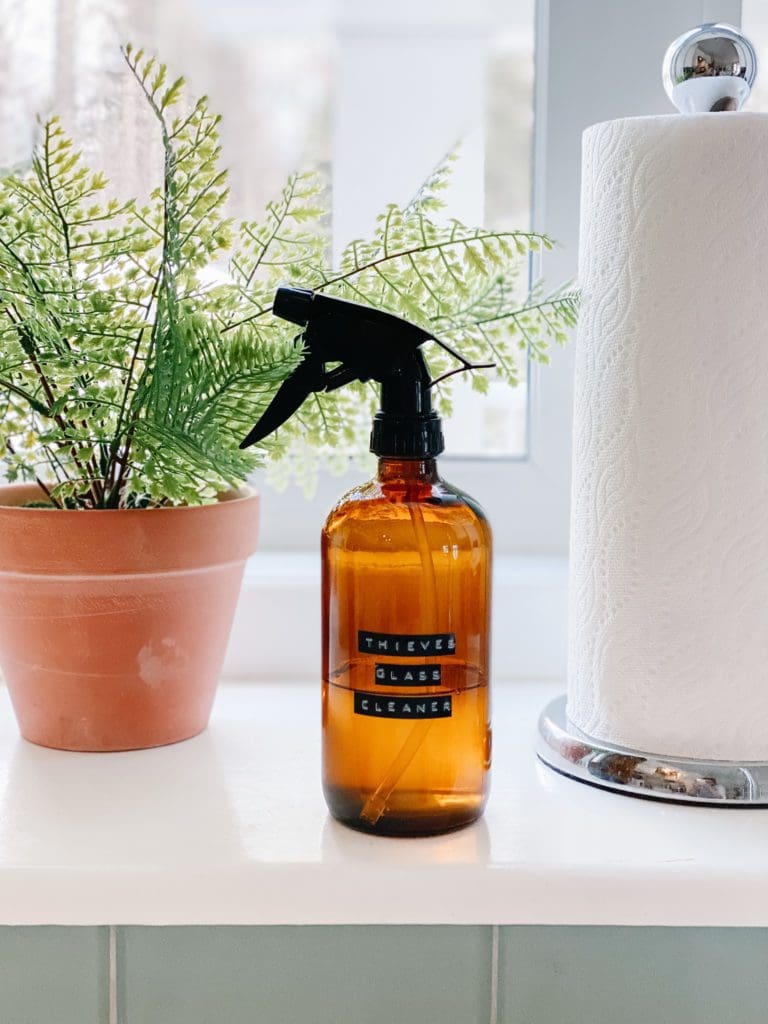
point(710, 68)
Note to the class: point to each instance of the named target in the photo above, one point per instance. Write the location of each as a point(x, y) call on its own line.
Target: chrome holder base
point(715, 783)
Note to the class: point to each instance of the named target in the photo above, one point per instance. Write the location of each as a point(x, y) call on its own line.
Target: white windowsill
point(280, 600)
point(231, 828)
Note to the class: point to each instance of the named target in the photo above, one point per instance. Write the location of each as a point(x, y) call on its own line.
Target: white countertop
point(231, 828)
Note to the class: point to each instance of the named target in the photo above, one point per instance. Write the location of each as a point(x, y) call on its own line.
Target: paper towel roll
point(669, 535)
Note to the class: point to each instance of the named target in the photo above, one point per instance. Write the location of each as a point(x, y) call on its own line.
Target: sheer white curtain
point(265, 66)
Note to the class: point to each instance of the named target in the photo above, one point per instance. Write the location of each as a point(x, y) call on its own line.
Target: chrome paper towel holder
point(711, 68)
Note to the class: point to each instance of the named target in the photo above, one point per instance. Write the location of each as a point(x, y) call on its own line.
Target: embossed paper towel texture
point(669, 536)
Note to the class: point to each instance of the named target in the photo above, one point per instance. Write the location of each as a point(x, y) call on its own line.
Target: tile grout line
point(494, 1015)
point(113, 975)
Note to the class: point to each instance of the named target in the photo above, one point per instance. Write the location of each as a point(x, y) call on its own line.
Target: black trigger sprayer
point(367, 344)
point(406, 565)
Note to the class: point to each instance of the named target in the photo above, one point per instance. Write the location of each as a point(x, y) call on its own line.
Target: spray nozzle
point(293, 305)
point(345, 341)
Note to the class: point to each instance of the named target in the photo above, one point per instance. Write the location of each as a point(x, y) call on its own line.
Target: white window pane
point(754, 21)
point(496, 424)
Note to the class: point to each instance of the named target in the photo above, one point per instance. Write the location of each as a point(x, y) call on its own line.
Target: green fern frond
point(127, 378)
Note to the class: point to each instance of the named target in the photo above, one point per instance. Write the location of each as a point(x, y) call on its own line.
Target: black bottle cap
point(402, 437)
point(406, 426)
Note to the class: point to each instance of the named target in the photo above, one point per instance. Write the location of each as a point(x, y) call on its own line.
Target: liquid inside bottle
point(406, 633)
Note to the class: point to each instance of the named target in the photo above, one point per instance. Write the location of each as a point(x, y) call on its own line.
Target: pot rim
point(236, 496)
point(86, 542)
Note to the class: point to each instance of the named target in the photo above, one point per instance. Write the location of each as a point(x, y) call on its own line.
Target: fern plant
point(127, 380)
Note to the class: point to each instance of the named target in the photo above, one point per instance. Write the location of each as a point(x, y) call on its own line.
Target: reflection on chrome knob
point(710, 68)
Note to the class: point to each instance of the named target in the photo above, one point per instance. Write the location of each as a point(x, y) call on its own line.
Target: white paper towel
point(669, 535)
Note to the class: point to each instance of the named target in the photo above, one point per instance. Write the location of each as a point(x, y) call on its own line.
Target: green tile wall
point(53, 976)
point(385, 975)
point(633, 976)
point(312, 975)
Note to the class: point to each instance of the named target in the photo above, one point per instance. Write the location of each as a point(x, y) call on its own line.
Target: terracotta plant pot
point(114, 624)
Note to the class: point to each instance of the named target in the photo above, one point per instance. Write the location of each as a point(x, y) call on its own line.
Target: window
point(754, 21)
point(306, 83)
point(377, 92)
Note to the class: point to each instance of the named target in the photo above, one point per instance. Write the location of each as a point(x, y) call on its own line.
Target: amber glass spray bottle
point(406, 562)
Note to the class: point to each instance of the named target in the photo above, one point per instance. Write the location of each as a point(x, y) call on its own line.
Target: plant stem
point(401, 254)
point(30, 349)
point(97, 488)
point(43, 487)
